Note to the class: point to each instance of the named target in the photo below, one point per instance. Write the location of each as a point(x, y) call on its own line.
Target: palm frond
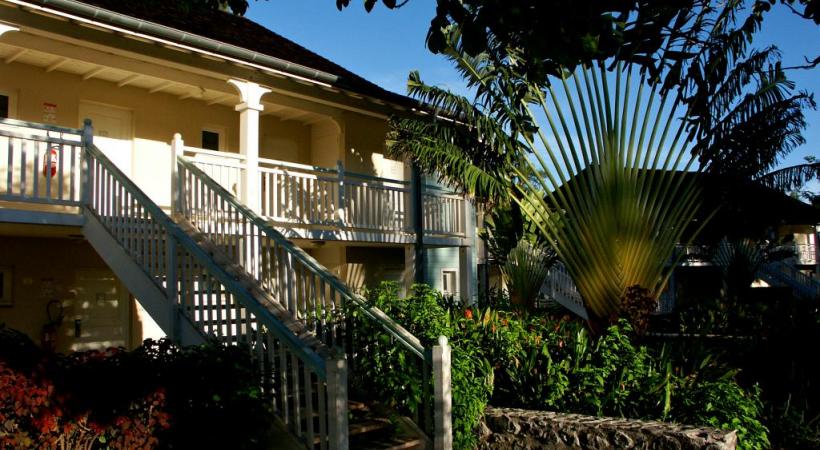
point(525, 269)
point(791, 178)
point(610, 193)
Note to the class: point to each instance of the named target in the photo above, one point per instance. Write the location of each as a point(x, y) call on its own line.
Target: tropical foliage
point(594, 155)
point(525, 269)
point(793, 178)
point(388, 374)
point(547, 37)
point(538, 362)
point(610, 168)
point(157, 396)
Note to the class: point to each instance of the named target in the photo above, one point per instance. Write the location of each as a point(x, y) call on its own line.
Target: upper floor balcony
point(41, 170)
point(803, 249)
point(306, 155)
point(331, 203)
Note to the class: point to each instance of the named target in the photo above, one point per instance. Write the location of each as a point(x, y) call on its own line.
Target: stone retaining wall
point(523, 430)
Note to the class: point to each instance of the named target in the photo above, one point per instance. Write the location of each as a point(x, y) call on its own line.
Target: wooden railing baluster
point(311, 294)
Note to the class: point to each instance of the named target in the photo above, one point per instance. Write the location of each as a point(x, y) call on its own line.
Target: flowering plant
point(34, 414)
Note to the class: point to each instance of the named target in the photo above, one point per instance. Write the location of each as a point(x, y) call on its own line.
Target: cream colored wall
point(366, 267)
point(46, 269)
point(325, 144)
point(365, 147)
point(358, 139)
point(156, 117)
point(331, 257)
point(285, 140)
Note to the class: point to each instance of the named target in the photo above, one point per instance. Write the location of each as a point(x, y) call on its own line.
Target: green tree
point(545, 37)
point(597, 170)
point(794, 178)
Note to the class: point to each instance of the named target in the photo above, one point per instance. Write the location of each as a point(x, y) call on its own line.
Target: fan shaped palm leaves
point(605, 162)
point(611, 165)
point(525, 269)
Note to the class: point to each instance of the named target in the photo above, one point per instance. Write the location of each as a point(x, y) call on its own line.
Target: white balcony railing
point(42, 163)
point(444, 212)
point(301, 195)
point(226, 168)
point(806, 253)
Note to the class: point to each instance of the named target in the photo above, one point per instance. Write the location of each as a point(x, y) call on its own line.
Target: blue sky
point(383, 46)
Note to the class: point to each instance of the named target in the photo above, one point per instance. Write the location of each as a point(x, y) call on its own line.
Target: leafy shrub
point(637, 305)
point(540, 362)
point(33, 414)
point(388, 372)
point(727, 406)
point(206, 387)
point(762, 331)
point(544, 363)
point(793, 424)
point(209, 387)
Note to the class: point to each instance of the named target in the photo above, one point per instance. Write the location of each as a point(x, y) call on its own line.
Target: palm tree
point(793, 178)
point(595, 158)
point(611, 167)
point(525, 269)
point(613, 227)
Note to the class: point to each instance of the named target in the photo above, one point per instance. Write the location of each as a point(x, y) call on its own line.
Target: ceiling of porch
point(154, 85)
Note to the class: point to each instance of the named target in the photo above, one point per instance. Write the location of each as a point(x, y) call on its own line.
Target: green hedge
point(388, 372)
point(537, 362)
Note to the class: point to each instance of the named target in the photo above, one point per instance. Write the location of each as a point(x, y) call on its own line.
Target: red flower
point(468, 313)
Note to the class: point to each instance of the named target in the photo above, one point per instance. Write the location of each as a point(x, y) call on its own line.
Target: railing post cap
point(87, 122)
point(442, 341)
point(177, 136)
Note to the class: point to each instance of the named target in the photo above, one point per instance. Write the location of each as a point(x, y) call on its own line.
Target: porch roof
point(236, 31)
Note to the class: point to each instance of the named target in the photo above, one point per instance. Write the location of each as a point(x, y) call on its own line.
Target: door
point(8, 103)
point(97, 316)
point(113, 132)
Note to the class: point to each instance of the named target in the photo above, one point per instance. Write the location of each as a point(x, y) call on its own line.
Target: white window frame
point(456, 281)
point(222, 132)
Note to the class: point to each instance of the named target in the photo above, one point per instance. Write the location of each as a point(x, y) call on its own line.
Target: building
point(191, 173)
point(297, 138)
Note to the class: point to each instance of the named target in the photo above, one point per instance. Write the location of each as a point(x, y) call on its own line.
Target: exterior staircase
point(559, 287)
point(779, 273)
point(213, 269)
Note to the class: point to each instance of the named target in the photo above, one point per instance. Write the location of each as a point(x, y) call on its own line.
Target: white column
point(337, 410)
point(177, 149)
point(467, 255)
point(442, 397)
point(817, 249)
point(250, 94)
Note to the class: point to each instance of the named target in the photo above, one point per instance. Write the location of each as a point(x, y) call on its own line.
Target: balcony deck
point(40, 174)
point(41, 171)
point(322, 203)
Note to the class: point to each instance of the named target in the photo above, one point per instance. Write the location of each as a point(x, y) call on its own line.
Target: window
point(4, 106)
point(5, 286)
point(210, 140)
point(449, 281)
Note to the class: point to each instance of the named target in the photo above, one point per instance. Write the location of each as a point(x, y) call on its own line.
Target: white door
point(113, 132)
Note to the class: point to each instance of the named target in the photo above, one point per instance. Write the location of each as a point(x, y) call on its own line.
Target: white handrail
point(301, 378)
point(559, 286)
point(312, 294)
point(304, 195)
point(222, 155)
